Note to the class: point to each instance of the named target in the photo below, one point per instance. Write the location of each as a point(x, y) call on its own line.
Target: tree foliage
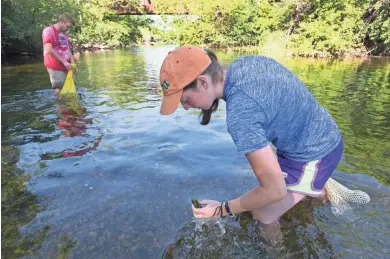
point(302, 27)
point(95, 21)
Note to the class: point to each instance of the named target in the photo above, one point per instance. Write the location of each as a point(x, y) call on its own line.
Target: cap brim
point(170, 103)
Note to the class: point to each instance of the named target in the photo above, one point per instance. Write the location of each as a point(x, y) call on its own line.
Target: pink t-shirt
point(61, 45)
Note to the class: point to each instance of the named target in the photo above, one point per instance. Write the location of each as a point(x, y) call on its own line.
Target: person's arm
point(72, 61)
point(71, 52)
point(71, 58)
point(71, 55)
point(272, 185)
point(246, 122)
point(49, 49)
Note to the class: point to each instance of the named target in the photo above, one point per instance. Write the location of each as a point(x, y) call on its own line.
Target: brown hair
point(215, 71)
point(65, 17)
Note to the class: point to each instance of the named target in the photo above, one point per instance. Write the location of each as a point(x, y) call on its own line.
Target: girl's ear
point(202, 81)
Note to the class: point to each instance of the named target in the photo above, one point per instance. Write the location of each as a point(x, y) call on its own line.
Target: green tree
point(22, 22)
point(302, 27)
point(95, 21)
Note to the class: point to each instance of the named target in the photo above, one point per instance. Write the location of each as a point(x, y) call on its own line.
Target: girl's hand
point(210, 210)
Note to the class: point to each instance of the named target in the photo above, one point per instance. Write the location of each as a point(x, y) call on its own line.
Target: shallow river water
point(110, 177)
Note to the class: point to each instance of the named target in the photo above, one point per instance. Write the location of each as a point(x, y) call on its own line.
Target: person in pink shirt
point(57, 51)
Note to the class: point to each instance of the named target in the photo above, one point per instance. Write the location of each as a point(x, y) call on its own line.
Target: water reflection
point(72, 117)
point(357, 94)
point(73, 121)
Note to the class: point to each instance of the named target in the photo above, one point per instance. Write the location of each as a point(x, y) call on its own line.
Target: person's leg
point(302, 179)
point(271, 213)
point(57, 79)
point(268, 217)
point(299, 178)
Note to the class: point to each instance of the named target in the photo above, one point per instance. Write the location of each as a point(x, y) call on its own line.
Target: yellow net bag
point(69, 86)
point(69, 94)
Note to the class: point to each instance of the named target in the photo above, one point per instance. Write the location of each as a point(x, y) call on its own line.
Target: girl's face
point(201, 97)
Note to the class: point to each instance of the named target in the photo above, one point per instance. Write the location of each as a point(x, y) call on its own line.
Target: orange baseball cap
point(182, 66)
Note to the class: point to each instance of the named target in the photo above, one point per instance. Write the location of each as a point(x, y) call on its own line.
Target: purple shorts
point(309, 178)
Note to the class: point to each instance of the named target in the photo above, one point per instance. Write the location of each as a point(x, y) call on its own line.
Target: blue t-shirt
point(266, 103)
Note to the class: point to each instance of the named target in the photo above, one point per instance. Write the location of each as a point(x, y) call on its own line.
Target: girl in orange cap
point(265, 103)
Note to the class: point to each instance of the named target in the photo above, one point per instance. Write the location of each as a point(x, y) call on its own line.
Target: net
point(69, 87)
point(340, 196)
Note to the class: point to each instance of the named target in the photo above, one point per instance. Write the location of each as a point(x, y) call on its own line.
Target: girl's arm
point(272, 185)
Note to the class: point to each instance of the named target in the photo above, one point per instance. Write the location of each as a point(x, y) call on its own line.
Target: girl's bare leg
point(268, 217)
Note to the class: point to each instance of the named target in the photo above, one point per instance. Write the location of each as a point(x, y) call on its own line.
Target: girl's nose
point(185, 106)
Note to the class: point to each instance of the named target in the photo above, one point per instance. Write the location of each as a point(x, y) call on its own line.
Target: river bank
point(31, 57)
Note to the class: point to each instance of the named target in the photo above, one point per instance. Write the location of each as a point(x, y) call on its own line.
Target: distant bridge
point(145, 7)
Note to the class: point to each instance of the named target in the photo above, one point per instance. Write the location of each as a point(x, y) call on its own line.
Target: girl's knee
point(271, 213)
point(263, 218)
